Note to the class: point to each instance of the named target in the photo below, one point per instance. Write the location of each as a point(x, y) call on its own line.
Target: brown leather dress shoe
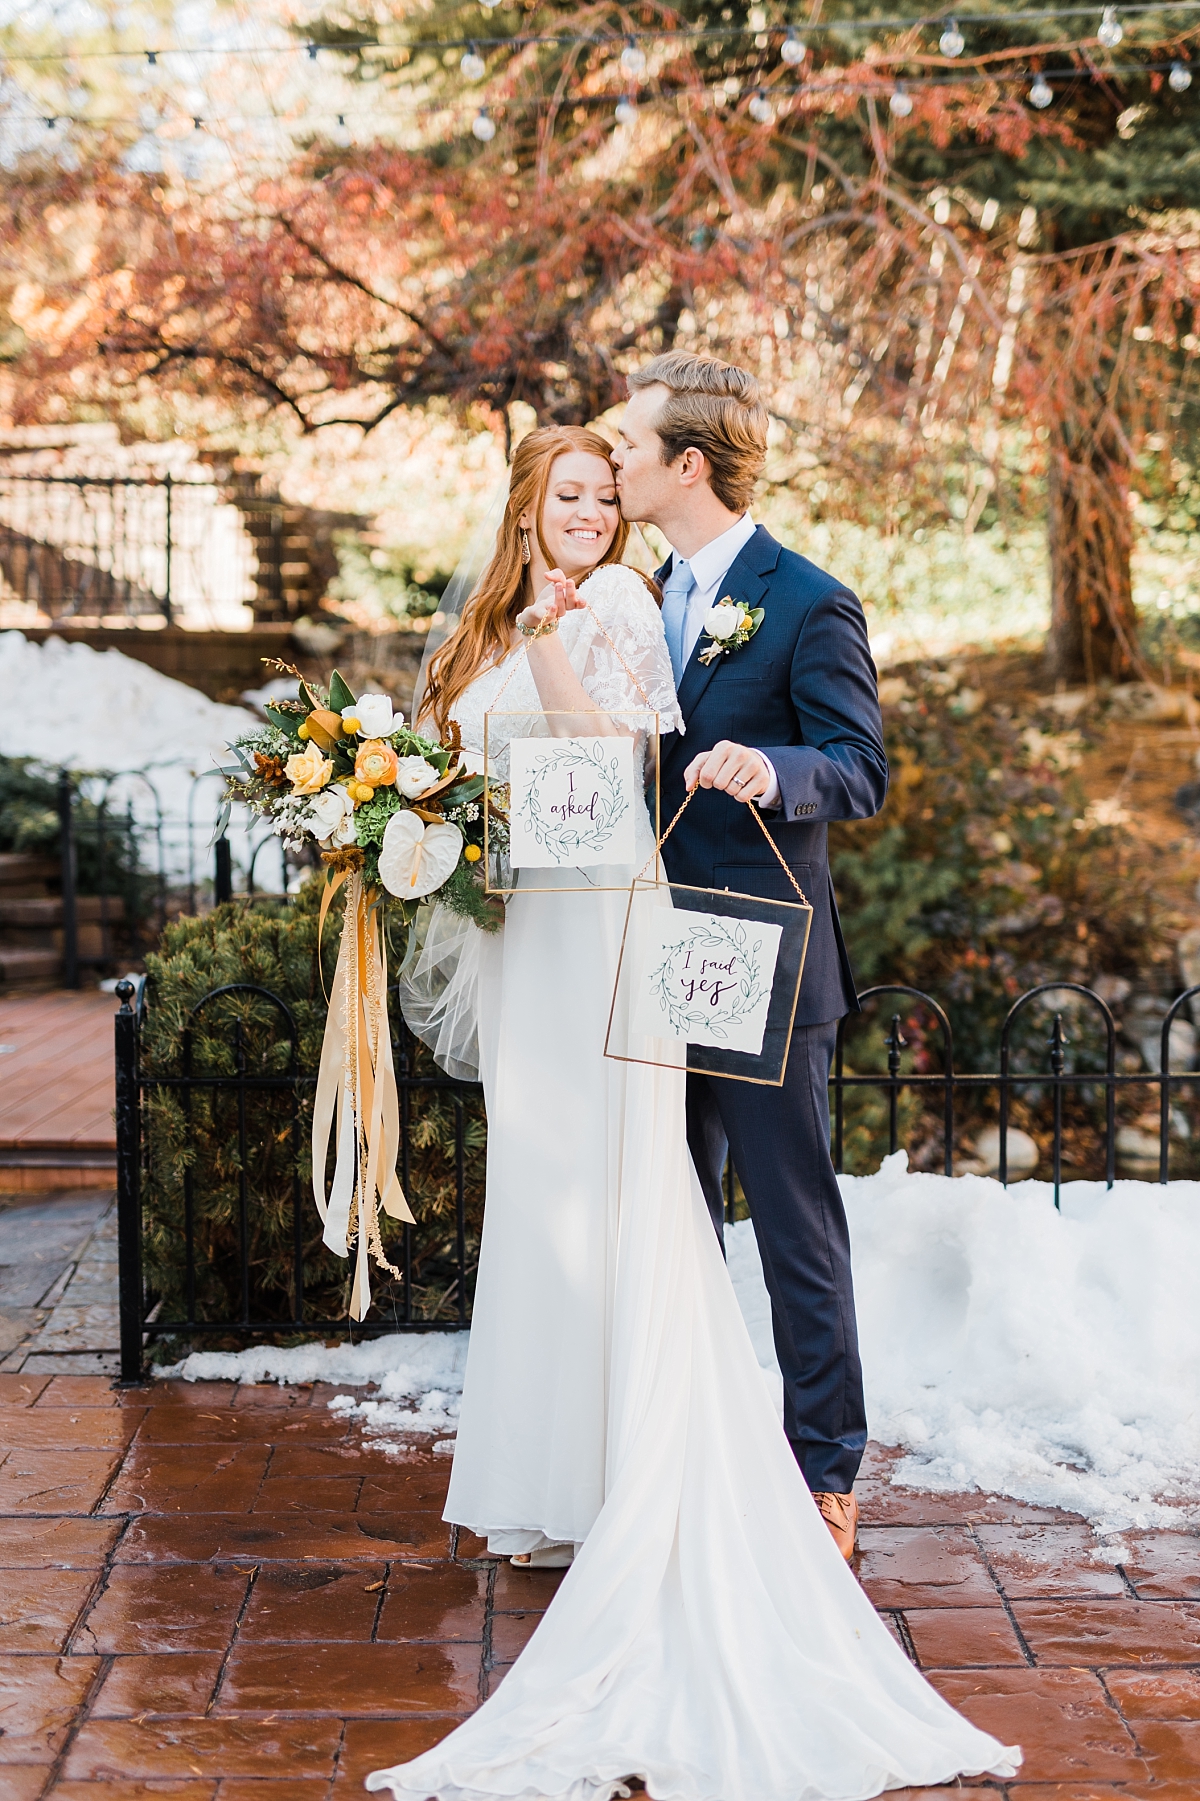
point(840, 1513)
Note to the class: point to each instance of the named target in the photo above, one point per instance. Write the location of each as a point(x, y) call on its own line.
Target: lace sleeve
point(618, 649)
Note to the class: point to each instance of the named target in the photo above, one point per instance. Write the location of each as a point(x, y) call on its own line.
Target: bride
point(708, 1637)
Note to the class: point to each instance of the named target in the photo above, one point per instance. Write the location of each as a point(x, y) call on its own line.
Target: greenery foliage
point(192, 1135)
point(986, 874)
point(383, 579)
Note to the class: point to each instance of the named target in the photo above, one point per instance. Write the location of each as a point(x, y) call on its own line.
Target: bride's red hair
point(485, 630)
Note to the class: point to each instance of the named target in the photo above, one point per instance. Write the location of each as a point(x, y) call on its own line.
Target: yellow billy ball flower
point(350, 723)
point(302, 729)
point(472, 853)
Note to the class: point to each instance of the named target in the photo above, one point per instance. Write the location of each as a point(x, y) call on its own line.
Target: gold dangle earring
point(526, 553)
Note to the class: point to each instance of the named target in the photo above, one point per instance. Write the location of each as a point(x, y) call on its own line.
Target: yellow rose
point(376, 763)
point(308, 771)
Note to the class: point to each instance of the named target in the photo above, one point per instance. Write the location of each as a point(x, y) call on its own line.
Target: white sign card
point(705, 978)
point(572, 802)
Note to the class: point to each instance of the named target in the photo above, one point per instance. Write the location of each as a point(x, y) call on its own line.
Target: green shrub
point(986, 874)
point(193, 1143)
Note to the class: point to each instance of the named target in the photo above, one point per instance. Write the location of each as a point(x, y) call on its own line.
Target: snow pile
point(419, 1376)
point(80, 708)
point(1054, 1357)
point(1050, 1356)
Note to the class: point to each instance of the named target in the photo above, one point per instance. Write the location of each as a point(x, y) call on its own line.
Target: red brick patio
point(222, 1594)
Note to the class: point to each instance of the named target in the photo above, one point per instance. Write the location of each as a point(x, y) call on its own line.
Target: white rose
point(327, 812)
point(415, 777)
point(345, 833)
point(374, 715)
point(723, 620)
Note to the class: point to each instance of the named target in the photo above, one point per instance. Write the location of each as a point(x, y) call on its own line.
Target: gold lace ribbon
point(357, 1084)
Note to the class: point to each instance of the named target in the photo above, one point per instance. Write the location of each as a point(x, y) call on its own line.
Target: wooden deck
point(56, 1087)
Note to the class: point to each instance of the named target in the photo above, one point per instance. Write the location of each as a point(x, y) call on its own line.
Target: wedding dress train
point(708, 1637)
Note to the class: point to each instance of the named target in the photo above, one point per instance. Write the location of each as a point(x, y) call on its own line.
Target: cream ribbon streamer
point(357, 1081)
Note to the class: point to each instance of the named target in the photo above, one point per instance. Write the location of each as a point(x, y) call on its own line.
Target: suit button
point(799, 811)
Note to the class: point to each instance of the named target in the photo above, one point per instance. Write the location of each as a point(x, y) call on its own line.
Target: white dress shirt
point(710, 565)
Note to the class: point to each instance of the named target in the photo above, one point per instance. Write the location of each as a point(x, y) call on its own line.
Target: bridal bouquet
point(397, 820)
point(375, 797)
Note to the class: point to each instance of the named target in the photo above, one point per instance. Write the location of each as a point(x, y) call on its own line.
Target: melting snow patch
point(1007, 1348)
point(419, 1376)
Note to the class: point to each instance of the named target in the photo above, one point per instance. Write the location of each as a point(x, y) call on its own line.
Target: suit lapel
point(745, 582)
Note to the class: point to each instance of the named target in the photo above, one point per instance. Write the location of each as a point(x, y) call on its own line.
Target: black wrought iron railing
point(96, 547)
point(128, 863)
point(264, 1108)
point(1071, 1078)
point(949, 1085)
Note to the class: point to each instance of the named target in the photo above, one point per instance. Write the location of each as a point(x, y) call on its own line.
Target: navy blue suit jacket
point(804, 692)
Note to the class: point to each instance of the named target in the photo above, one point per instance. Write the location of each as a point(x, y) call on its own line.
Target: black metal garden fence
point(1081, 1080)
point(128, 864)
point(1098, 1087)
point(248, 1083)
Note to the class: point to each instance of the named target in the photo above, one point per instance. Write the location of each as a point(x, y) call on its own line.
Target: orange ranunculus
point(376, 763)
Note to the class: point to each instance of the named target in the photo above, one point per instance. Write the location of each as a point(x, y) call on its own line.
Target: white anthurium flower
point(723, 620)
point(415, 777)
point(416, 858)
point(328, 814)
point(374, 715)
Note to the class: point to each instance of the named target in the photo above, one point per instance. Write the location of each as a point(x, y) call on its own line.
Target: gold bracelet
point(538, 631)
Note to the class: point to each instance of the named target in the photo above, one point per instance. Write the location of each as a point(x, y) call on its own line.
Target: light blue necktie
point(679, 585)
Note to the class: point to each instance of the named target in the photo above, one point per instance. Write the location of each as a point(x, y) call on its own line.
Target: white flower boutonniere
point(728, 626)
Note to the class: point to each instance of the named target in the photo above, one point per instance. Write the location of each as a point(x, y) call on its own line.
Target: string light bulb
point(1110, 30)
point(952, 42)
point(793, 50)
point(626, 110)
point(489, 5)
point(483, 126)
point(1041, 93)
point(901, 102)
point(633, 58)
point(472, 65)
point(761, 110)
point(1180, 78)
point(341, 135)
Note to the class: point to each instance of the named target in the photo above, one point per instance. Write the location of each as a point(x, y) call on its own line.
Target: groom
point(790, 721)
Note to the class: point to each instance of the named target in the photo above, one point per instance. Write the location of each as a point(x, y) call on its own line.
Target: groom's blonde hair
point(715, 408)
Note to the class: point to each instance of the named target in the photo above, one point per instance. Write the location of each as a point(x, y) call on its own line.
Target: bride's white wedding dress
point(708, 1636)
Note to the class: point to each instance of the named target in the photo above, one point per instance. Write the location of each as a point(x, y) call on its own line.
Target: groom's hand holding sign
point(735, 769)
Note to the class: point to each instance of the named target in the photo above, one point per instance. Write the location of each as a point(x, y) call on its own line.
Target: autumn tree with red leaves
point(911, 251)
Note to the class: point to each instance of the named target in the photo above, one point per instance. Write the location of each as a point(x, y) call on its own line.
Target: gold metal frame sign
point(563, 795)
point(708, 981)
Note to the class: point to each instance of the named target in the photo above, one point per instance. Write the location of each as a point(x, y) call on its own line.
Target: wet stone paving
point(223, 1593)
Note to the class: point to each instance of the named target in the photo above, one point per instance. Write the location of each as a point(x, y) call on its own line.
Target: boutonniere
point(728, 626)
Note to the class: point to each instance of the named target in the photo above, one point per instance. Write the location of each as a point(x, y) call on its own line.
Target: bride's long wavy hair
point(485, 630)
